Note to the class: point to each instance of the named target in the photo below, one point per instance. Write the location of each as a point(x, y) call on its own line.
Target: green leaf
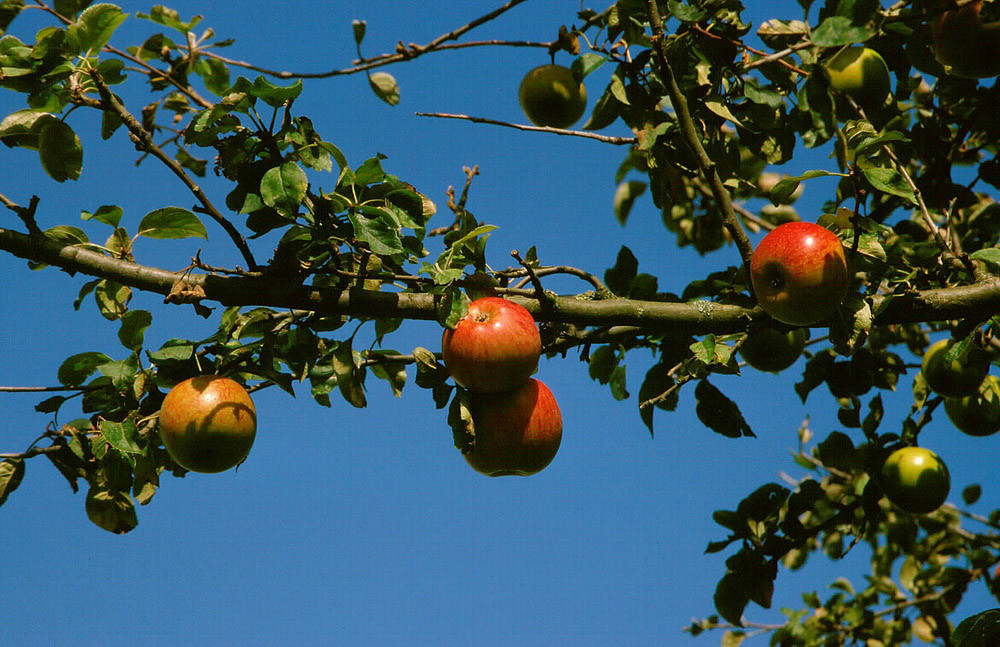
point(392, 372)
point(122, 372)
point(110, 510)
point(123, 436)
point(60, 151)
point(11, 474)
point(275, 95)
point(284, 187)
point(380, 233)
point(782, 191)
point(112, 299)
point(619, 278)
point(8, 12)
point(731, 598)
point(719, 413)
point(839, 30)
point(980, 630)
point(75, 369)
point(215, 74)
point(133, 328)
point(385, 87)
point(171, 222)
point(174, 350)
point(350, 377)
point(889, 180)
point(95, 25)
point(990, 255)
point(70, 8)
point(625, 196)
point(108, 214)
point(170, 18)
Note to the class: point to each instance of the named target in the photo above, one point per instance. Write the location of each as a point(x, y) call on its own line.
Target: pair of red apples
point(492, 352)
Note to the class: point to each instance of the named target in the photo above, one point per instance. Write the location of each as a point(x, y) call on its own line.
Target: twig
point(532, 276)
point(372, 63)
point(780, 60)
point(142, 137)
point(560, 269)
point(42, 389)
point(618, 141)
point(26, 214)
point(34, 451)
point(403, 52)
point(458, 208)
point(693, 139)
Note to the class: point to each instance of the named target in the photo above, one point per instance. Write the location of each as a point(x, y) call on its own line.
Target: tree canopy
point(309, 264)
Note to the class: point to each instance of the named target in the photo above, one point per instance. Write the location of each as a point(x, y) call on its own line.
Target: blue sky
point(348, 526)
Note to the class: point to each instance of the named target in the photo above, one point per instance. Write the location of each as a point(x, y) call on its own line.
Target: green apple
point(799, 273)
point(551, 96)
point(861, 73)
point(977, 414)
point(916, 480)
point(958, 378)
point(767, 349)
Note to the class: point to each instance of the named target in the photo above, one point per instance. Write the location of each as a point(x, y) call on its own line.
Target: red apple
point(208, 423)
point(799, 273)
point(965, 45)
point(495, 346)
point(517, 433)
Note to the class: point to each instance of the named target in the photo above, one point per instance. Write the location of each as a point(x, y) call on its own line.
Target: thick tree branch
point(979, 301)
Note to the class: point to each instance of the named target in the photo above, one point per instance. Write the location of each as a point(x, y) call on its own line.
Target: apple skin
point(799, 273)
point(977, 414)
point(208, 423)
point(550, 96)
point(965, 45)
point(494, 347)
point(517, 433)
point(771, 350)
point(915, 480)
point(861, 73)
point(954, 379)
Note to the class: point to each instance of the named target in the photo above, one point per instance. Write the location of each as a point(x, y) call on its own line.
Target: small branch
point(41, 389)
point(26, 214)
point(779, 59)
point(34, 451)
point(145, 140)
point(618, 141)
point(532, 276)
point(403, 52)
point(561, 269)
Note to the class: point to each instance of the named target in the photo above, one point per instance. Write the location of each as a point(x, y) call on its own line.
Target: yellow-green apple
point(965, 44)
point(494, 347)
point(959, 377)
point(771, 350)
point(915, 480)
point(517, 433)
point(799, 273)
point(861, 73)
point(208, 423)
point(977, 414)
point(551, 96)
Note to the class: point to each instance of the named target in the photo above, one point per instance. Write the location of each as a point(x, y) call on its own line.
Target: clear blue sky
point(366, 526)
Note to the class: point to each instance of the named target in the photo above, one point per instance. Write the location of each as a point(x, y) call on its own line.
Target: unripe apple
point(861, 73)
point(208, 423)
point(551, 96)
point(767, 349)
point(957, 378)
point(977, 414)
point(916, 480)
point(965, 45)
point(517, 433)
point(799, 273)
point(494, 347)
